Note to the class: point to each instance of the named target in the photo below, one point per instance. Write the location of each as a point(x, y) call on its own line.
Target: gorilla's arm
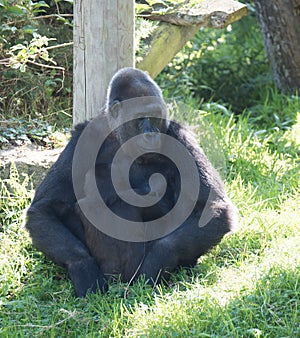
point(56, 230)
point(54, 238)
point(193, 238)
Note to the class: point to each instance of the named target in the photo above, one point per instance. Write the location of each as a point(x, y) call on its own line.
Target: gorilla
point(102, 218)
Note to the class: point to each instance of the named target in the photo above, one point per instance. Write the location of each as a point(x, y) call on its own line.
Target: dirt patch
point(32, 160)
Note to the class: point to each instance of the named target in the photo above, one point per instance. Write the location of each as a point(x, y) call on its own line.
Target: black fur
point(62, 233)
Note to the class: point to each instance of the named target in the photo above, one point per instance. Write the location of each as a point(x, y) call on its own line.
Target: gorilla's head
point(136, 106)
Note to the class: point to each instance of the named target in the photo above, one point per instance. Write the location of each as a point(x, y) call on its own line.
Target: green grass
point(248, 286)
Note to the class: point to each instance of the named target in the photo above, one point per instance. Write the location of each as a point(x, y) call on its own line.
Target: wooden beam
point(168, 39)
point(208, 13)
point(103, 43)
point(166, 42)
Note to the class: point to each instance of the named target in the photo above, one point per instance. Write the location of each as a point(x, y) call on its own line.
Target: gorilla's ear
point(115, 109)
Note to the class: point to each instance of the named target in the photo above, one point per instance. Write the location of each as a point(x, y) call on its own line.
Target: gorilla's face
point(135, 106)
point(150, 127)
point(149, 123)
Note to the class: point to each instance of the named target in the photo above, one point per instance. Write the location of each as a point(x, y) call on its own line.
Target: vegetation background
point(248, 286)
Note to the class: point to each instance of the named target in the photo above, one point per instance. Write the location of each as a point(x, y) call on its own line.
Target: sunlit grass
point(248, 286)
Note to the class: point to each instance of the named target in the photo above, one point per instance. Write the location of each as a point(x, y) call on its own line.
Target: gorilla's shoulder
point(184, 135)
point(78, 128)
point(208, 173)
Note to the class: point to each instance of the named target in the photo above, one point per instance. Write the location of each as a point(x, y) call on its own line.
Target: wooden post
point(103, 43)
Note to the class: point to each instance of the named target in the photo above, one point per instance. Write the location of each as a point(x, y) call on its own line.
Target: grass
point(248, 286)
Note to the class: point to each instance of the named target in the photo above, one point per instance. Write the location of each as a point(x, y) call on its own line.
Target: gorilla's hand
point(87, 277)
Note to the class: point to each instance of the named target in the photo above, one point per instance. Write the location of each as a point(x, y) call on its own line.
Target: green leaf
point(157, 2)
point(15, 10)
point(142, 8)
point(69, 1)
point(29, 29)
point(40, 4)
point(3, 139)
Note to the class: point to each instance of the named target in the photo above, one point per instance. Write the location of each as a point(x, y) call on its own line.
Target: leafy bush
point(228, 66)
point(26, 28)
point(20, 131)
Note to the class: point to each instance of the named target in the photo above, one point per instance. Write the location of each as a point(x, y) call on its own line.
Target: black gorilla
point(60, 229)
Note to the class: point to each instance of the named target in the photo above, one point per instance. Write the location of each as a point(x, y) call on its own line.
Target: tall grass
point(248, 286)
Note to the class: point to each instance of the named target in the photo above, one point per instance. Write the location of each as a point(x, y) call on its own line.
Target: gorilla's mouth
point(150, 141)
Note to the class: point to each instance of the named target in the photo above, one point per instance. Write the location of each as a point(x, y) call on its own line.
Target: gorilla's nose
point(148, 127)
